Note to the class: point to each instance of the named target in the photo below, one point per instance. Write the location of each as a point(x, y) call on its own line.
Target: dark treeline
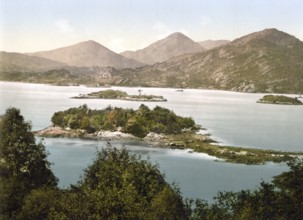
point(118, 185)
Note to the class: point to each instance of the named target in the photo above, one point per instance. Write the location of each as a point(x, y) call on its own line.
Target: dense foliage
point(109, 94)
point(280, 99)
point(137, 122)
point(116, 186)
point(23, 163)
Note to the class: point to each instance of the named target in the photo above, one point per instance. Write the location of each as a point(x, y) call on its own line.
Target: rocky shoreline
point(187, 140)
point(152, 138)
point(55, 131)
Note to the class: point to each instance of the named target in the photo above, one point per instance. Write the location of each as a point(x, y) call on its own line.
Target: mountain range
point(174, 45)
point(266, 61)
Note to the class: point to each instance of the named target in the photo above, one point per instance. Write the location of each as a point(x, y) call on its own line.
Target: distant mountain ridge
point(173, 45)
point(264, 61)
point(88, 53)
point(21, 62)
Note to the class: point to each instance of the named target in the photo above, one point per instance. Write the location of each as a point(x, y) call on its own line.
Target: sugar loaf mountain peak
point(90, 43)
point(88, 53)
point(177, 36)
point(173, 45)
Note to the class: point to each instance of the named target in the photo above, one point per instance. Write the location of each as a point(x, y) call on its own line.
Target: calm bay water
point(232, 119)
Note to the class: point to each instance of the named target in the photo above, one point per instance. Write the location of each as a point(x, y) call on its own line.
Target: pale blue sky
point(34, 25)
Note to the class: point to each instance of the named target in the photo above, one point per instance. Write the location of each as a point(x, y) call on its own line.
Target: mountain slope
point(88, 53)
point(173, 45)
point(210, 44)
point(265, 61)
point(10, 62)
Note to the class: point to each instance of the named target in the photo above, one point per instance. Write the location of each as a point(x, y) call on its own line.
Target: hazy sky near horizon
point(35, 25)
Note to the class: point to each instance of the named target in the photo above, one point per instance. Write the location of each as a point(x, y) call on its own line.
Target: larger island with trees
point(159, 126)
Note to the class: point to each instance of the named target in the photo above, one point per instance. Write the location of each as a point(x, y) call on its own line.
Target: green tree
point(168, 204)
point(23, 162)
point(136, 126)
point(43, 203)
point(122, 186)
point(290, 185)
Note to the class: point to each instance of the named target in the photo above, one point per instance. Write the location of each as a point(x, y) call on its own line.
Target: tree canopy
point(116, 185)
point(137, 122)
point(23, 162)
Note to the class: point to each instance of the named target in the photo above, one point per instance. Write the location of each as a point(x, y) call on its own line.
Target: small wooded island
point(279, 99)
point(118, 94)
point(159, 126)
